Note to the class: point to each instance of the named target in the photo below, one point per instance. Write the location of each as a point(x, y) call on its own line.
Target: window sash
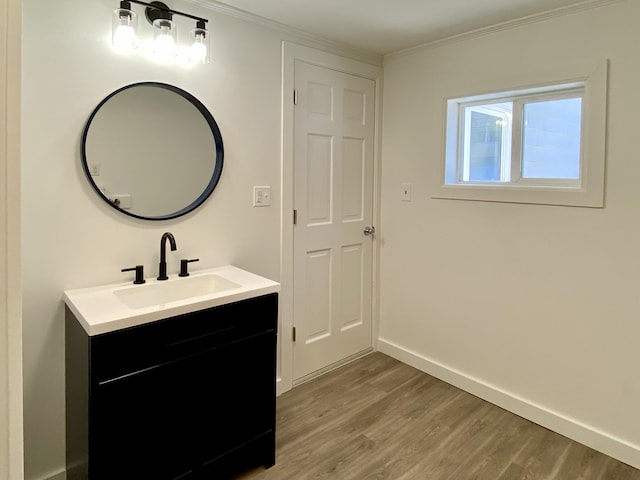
point(464, 162)
point(512, 137)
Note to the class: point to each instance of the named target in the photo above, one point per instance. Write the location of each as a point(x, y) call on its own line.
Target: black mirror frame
point(217, 172)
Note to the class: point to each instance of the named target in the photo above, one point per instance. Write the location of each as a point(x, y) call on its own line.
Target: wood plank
point(377, 418)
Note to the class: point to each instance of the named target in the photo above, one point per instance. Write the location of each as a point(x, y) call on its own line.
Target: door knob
point(369, 230)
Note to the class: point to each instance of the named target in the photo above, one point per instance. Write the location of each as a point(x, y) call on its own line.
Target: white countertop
point(101, 310)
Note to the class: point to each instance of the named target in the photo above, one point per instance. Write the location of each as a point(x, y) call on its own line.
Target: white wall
point(71, 238)
point(533, 307)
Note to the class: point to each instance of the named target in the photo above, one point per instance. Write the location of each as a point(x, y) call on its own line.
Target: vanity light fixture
point(160, 16)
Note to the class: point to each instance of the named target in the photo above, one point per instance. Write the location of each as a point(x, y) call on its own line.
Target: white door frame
point(11, 424)
point(290, 53)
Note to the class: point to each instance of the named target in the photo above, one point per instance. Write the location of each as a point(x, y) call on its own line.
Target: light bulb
point(164, 45)
point(124, 29)
point(124, 38)
point(198, 53)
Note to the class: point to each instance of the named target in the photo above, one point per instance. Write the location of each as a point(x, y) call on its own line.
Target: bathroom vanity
point(177, 390)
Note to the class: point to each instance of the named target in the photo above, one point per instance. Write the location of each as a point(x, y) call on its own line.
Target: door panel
point(333, 150)
point(318, 295)
point(319, 181)
point(353, 175)
point(352, 262)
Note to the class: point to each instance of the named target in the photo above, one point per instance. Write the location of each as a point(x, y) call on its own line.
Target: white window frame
point(587, 191)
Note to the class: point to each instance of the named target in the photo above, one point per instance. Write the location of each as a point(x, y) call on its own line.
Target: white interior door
point(334, 154)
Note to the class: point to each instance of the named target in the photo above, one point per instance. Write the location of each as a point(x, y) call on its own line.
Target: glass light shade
point(123, 32)
point(199, 51)
point(164, 39)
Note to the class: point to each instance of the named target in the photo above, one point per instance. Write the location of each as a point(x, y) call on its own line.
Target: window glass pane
point(485, 148)
point(486, 142)
point(551, 139)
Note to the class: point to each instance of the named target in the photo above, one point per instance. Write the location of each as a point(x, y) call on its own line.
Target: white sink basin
point(140, 296)
point(122, 305)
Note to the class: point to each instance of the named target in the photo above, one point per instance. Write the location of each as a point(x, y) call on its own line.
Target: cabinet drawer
point(134, 349)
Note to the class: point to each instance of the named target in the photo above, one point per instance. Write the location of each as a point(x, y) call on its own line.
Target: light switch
point(405, 192)
point(261, 196)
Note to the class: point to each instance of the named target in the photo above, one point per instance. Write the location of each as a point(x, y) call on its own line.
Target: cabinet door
point(143, 428)
point(169, 420)
point(170, 400)
point(236, 401)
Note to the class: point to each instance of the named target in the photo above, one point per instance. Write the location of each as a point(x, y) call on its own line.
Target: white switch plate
point(261, 196)
point(405, 192)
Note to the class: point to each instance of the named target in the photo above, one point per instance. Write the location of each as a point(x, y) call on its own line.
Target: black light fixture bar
point(162, 7)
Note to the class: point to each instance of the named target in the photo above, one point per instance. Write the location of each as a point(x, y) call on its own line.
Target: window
point(536, 145)
point(528, 138)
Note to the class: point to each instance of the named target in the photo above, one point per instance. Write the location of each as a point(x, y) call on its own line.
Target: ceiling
point(385, 26)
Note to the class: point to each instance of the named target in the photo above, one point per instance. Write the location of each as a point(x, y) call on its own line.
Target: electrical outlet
point(94, 169)
point(122, 201)
point(261, 196)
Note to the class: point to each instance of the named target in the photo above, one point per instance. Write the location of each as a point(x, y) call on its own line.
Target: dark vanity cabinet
point(189, 397)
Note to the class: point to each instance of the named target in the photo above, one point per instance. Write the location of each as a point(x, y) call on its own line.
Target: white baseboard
point(571, 428)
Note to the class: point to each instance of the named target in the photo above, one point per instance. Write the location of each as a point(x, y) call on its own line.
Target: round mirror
point(152, 151)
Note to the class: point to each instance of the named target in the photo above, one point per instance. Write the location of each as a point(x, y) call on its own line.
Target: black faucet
point(162, 271)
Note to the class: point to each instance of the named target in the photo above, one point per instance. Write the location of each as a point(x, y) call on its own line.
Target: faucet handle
point(183, 266)
point(139, 273)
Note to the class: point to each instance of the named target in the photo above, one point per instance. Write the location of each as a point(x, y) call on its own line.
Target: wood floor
point(377, 418)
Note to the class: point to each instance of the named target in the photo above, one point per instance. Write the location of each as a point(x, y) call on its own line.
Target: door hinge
point(295, 96)
point(295, 217)
point(293, 334)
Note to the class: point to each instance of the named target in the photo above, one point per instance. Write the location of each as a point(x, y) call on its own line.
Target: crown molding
point(510, 24)
point(292, 33)
point(321, 43)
